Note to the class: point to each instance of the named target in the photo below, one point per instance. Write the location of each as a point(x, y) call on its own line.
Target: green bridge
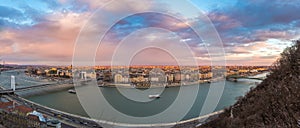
point(235, 77)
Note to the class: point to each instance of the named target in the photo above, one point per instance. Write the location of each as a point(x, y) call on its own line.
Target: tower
point(83, 75)
point(13, 83)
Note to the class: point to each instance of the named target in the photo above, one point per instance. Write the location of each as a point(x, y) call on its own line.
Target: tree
point(273, 103)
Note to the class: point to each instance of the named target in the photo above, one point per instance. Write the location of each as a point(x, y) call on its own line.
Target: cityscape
point(142, 74)
point(21, 112)
point(144, 64)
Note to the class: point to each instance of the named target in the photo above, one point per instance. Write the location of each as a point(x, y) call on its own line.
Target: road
point(25, 82)
point(67, 119)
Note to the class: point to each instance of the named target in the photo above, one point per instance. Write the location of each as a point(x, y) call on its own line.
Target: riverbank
point(45, 90)
point(65, 87)
point(160, 85)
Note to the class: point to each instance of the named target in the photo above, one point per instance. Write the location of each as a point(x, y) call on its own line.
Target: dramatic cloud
point(252, 21)
point(13, 17)
point(51, 40)
point(44, 32)
point(257, 17)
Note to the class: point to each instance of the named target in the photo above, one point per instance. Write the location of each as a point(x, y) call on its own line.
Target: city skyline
point(44, 33)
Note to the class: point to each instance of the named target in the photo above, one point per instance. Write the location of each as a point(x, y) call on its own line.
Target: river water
point(63, 100)
point(68, 102)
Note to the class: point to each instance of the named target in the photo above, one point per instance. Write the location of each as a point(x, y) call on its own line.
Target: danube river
point(68, 102)
point(61, 99)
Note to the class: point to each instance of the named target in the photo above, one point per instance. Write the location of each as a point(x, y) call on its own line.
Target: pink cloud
point(50, 40)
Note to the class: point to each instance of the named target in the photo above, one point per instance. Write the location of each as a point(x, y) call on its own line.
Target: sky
point(44, 32)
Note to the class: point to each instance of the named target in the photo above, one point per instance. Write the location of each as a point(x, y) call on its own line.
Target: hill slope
point(273, 103)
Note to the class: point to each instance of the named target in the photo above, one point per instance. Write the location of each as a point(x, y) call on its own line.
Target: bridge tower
point(83, 75)
point(13, 83)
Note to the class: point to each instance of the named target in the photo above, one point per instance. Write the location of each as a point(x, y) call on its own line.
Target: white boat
point(154, 96)
point(72, 91)
point(101, 85)
point(132, 85)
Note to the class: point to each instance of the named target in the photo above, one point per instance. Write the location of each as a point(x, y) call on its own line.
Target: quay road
point(67, 119)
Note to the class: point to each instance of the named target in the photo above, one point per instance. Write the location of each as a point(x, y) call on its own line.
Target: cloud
point(47, 30)
point(9, 12)
point(223, 22)
point(256, 20)
point(249, 29)
point(262, 13)
point(13, 17)
point(50, 40)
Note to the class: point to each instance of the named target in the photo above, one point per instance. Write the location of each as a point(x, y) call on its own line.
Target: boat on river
point(101, 85)
point(72, 91)
point(154, 96)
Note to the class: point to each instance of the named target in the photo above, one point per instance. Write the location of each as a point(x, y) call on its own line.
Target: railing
point(194, 121)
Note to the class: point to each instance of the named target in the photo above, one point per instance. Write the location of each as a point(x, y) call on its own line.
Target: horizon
point(136, 65)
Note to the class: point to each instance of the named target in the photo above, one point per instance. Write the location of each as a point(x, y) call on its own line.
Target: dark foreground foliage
point(275, 103)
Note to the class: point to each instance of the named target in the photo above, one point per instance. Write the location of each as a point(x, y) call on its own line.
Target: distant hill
point(275, 103)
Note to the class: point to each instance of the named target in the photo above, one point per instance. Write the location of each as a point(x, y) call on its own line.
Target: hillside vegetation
point(275, 103)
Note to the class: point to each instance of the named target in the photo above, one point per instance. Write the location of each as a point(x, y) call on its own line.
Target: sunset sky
point(254, 32)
